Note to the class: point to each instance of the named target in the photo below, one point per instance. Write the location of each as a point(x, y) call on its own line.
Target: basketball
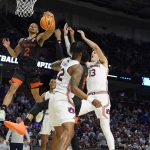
point(47, 22)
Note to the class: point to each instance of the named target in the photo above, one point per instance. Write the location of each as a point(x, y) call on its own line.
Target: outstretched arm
point(76, 72)
point(59, 47)
point(67, 42)
point(71, 31)
point(96, 48)
point(13, 52)
point(56, 65)
point(42, 37)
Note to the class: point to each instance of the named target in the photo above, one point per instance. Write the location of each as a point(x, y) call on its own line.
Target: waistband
point(99, 92)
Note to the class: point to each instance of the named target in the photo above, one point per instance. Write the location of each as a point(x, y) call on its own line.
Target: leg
point(19, 146)
point(38, 107)
point(44, 140)
point(66, 136)
point(13, 146)
point(8, 100)
point(86, 107)
point(105, 125)
point(36, 95)
point(104, 116)
point(12, 90)
point(75, 143)
point(55, 137)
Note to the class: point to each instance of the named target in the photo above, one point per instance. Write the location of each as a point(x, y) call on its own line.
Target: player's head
point(33, 28)
point(94, 56)
point(18, 120)
point(52, 84)
point(78, 48)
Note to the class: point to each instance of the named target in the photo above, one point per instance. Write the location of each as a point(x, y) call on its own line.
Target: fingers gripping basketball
point(47, 22)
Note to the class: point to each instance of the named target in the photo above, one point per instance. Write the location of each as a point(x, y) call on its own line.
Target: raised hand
point(96, 103)
point(71, 31)
point(48, 13)
point(81, 33)
point(65, 29)
point(6, 42)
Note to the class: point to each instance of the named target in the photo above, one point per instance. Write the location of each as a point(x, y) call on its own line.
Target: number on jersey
point(27, 51)
point(92, 72)
point(60, 75)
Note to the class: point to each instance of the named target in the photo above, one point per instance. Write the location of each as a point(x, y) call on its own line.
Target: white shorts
point(61, 110)
point(102, 112)
point(46, 127)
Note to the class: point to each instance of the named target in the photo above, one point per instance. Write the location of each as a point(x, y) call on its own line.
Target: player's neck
point(31, 35)
point(51, 91)
point(78, 58)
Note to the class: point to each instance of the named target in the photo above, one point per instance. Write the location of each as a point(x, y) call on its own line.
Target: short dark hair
point(78, 47)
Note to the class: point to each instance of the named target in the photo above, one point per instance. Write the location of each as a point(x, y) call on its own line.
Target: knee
point(68, 132)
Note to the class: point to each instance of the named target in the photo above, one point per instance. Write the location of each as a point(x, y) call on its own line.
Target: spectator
point(16, 139)
point(3, 145)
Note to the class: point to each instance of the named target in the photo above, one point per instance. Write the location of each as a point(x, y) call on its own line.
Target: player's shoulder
point(20, 40)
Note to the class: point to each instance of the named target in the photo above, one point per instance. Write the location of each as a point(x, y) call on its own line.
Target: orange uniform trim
point(15, 80)
point(36, 84)
point(76, 120)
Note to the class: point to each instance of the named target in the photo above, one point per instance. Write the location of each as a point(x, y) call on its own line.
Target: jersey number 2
point(26, 53)
point(60, 75)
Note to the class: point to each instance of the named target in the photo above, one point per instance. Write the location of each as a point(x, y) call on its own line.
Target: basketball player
point(27, 51)
point(46, 127)
point(97, 87)
point(61, 107)
point(99, 61)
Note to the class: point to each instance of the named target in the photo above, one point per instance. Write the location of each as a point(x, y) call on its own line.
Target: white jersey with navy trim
point(97, 78)
point(63, 77)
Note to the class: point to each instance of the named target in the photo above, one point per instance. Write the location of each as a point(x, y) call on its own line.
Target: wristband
point(90, 99)
point(59, 41)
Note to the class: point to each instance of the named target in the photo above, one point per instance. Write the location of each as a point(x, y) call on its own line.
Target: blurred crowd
point(124, 55)
point(130, 123)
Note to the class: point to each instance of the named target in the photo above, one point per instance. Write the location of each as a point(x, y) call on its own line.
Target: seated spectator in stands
point(3, 145)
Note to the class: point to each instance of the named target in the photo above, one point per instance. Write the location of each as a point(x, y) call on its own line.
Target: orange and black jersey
point(30, 52)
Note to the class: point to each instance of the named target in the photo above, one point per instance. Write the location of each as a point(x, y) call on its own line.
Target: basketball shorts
point(61, 110)
point(102, 112)
point(29, 74)
point(46, 127)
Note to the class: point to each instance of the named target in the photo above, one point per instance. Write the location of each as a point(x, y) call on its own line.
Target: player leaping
point(27, 51)
point(97, 86)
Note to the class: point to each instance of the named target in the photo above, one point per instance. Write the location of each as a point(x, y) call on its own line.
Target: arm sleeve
point(59, 50)
point(67, 44)
point(8, 135)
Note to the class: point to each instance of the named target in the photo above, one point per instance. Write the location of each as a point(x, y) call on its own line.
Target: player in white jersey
point(46, 127)
point(97, 86)
point(61, 105)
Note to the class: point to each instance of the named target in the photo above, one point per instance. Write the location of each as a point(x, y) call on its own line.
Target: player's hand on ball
point(6, 42)
point(81, 33)
point(48, 13)
point(66, 29)
point(96, 103)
